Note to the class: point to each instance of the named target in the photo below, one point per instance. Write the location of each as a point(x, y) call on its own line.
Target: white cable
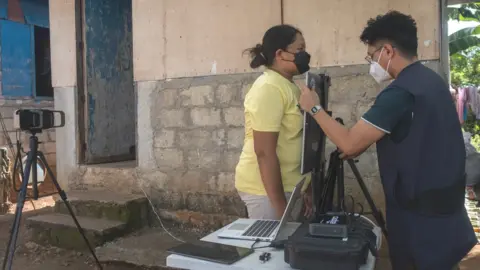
point(379, 242)
point(158, 217)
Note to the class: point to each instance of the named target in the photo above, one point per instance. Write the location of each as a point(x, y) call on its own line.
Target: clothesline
point(468, 97)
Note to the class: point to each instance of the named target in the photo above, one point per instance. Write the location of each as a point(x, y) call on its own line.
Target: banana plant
point(467, 37)
point(463, 39)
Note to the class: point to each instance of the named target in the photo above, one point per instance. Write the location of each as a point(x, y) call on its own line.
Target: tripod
point(335, 177)
point(31, 164)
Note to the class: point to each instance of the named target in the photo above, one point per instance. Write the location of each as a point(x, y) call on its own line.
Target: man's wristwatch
point(315, 109)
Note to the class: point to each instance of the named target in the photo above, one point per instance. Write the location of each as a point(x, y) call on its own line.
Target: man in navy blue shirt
point(421, 155)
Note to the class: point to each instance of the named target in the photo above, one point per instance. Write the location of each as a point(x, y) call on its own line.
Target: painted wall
point(63, 43)
point(190, 129)
point(109, 80)
point(207, 45)
point(18, 47)
point(190, 93)
point(17, 77)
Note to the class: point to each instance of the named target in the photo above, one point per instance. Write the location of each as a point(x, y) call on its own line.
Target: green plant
point(465, 67)
point(468, 37)
point(465, 12)
point(472, 125)
point(464, 39)
point(464, 48)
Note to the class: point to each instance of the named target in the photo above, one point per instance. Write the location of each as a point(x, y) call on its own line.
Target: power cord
point(252, 247)
point(265, 256)
point(351, 215)
point(159, 219)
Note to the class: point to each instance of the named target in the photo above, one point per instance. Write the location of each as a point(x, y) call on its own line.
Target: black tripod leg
point(330, 182)
point(340, 186)
point(63, 195)
point(376, 213)
point(12, 242)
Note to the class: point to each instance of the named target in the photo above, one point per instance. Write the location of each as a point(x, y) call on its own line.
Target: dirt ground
point(30, 256)
point(34, 257)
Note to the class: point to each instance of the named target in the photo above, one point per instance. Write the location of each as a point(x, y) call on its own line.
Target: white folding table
point(252, 262)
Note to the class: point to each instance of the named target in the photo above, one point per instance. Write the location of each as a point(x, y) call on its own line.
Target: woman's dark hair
point(276, 38)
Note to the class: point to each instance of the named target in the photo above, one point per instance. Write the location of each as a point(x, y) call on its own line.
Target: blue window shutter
point(35, 12)
point(3, 9)
point(16, 59)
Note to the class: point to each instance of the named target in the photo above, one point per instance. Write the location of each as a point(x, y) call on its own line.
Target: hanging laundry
point(474, 100)
point(461, 103)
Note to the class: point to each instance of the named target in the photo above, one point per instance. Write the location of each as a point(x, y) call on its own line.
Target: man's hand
point(346, 157)
point(308, 99)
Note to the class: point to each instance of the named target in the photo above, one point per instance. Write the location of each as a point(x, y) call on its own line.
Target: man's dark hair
point(394, 27)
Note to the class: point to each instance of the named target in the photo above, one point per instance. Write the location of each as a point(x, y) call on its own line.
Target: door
point(17, 59)
point(108, 81)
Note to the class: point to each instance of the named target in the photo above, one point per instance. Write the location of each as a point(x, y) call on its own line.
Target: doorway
point(43, 70)
point(107, 109)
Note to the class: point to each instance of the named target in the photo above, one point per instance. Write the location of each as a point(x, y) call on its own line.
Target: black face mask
point(301, 61)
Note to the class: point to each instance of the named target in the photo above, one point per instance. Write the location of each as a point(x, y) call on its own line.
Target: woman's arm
point(265, 145)
point(265, 108)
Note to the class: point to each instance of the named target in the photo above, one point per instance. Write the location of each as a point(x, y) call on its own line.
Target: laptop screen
point(291, 203)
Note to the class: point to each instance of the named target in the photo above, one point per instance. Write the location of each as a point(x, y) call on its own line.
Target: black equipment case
point(306, 252)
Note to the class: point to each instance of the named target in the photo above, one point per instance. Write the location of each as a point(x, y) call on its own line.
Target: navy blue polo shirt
point(392, 112)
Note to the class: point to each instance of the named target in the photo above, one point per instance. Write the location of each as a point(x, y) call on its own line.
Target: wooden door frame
point(81, 79)
point(82, 102)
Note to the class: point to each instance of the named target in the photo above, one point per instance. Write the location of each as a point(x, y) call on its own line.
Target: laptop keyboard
point(261, 228)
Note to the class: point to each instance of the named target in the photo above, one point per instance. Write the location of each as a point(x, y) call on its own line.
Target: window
point(25, 60)
point(43, 70)
point(16, 57)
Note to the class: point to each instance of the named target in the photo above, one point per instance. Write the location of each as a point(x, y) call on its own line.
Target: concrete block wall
point(190, 136)
point(47, 141)
point(47, 138)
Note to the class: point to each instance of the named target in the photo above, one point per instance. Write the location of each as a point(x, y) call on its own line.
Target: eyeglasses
point(369, 57)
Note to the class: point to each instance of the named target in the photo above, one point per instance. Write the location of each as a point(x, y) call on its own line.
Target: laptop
point(265, 230)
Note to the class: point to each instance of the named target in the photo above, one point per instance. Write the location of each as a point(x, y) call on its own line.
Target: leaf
point(464, 39)
point(466, 12)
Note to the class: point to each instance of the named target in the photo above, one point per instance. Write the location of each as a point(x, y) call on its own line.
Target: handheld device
point(214, 252)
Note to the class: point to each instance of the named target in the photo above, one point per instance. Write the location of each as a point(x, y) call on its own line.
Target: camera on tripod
point(37, 120)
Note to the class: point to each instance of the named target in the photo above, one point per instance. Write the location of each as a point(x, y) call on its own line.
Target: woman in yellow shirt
point(269, 166)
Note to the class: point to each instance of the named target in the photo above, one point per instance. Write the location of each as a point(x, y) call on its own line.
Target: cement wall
point(47, 138)
point(192, 133)
point(200, 38)
point(190, 89)
point(64, 80)
point(190, 130)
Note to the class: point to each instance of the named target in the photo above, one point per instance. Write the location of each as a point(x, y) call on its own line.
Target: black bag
point(305, 252)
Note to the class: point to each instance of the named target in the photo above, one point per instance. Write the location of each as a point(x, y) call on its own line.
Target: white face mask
point(378, 73)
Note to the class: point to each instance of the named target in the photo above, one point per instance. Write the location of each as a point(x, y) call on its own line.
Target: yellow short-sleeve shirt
point(271, 106)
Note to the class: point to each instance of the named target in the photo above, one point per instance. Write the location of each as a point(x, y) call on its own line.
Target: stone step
point(60, 230)
point(129, 209)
